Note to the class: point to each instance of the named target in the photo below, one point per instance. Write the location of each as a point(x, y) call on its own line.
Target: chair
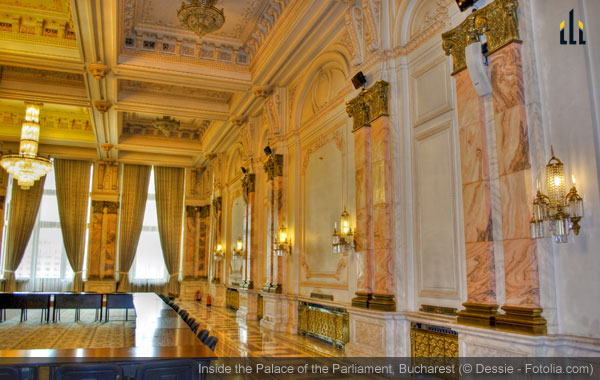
point(191, 321)
point(77, 302)
point(26, 301)
point(194, 326)
point(211, 342)
point(203, 335)
point(119, 301)
point(168, 370)
point(88, 372)
point(176, 307)
point(9, 373)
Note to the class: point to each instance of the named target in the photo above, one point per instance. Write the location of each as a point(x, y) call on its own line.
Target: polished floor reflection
point(237, 338)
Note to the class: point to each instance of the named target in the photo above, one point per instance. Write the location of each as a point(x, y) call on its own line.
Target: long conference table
point(160, 333)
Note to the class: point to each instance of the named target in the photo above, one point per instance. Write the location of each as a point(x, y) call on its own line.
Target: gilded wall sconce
point(558, 211)
point(282, 242)
point(218, 253)
point(343, 239)
point(238, 248)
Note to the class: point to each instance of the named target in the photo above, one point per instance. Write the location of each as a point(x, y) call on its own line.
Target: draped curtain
point(72, 196)
point(169, 185)
point(23, 212)
point(134, 194)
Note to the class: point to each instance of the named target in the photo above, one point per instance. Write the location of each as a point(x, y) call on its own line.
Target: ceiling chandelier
point(26, 167)
point(200, 16)
point(166, 125)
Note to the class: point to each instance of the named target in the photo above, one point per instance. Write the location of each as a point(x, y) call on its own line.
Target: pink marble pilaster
point(95, 245)
point(514, 168)
point(481, 273)
point(384, 266)
point(364, 234)
point(189, 242)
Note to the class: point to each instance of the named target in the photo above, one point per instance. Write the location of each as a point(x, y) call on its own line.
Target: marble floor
point(239, 339)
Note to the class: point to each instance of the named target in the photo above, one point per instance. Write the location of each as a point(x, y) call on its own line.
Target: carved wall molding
point(354, 28)
point(372, 12)
point(498, 20)
point(337, 137)
point(71, 121)
point(433, 24)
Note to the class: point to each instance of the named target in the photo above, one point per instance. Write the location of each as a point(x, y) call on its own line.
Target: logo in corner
point(572, 41)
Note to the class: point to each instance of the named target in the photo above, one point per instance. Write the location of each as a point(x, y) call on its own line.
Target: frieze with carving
point(498, 21)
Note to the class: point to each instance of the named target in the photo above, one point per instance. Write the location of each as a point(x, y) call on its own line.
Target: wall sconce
point(343, 240)
point(219, 253)
point(282, 242)
point(238, 248)
point(558, 211)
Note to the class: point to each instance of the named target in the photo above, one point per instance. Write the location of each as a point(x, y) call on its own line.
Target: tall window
point(149, 265)
point(45, 261)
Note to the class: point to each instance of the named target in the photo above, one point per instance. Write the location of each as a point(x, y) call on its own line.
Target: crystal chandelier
point(166, 125)
point(200, 16)
point(26, 167)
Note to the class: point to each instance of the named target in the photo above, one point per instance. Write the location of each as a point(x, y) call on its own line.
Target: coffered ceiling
point(106, 69)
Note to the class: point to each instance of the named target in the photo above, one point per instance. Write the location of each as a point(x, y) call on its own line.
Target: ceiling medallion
point(200, 16)
point(166, 125)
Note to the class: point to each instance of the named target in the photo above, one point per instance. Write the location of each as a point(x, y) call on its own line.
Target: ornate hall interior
point(387, 178)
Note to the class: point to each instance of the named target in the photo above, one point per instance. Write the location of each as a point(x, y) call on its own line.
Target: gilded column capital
point(369, 105)
point(358, 111)
point(274, 166)
point(376, 97)
point(217, 204)
point(191, 211)
point(498, 20)
point(249, 183)
point(204, 211)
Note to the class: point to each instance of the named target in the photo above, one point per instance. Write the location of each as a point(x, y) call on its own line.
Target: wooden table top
point(159, 333)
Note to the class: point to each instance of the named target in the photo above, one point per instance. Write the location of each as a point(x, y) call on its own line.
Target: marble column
point(102, 246)
point(522, 308)
point(103, 238)
point(249, 185)
point(274, 170)
point(383, 258)
point(3, 186)
point(190, 242)
point(364, 232)
point(481, 305)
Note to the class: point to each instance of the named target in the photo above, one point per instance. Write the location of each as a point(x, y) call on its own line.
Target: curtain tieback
point(123, 272)
point(174, 274)
point(9, 271)
point(76, 273)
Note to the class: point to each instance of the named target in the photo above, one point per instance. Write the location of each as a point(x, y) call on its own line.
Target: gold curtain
point(169, 184)
point(72, 195)
point(134, 194)
point(24, 206)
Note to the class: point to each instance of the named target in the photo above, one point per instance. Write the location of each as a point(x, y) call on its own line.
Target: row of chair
point(77, 301)
point(203, 335)
point(173, 370)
